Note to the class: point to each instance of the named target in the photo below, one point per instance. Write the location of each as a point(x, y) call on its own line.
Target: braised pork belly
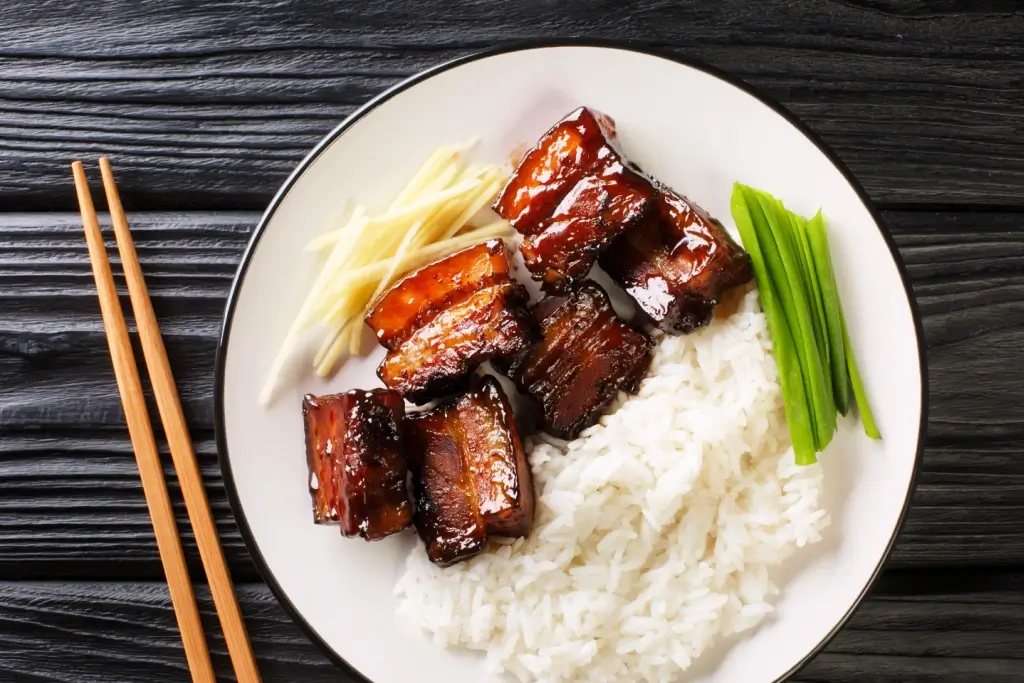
point(571, 196)
point(677, 264)
point(471, 478)
point(442, 321)
point(357, 465)
point(586, 355)
point(577, 199)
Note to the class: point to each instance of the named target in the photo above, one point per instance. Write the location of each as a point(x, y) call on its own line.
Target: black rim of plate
point(626, 46)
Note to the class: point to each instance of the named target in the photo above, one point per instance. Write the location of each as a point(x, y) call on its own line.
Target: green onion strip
point(800, 299)
point(794, 398)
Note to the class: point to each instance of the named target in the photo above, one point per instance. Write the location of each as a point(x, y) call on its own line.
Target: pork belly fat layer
point(678, 264)
point(577, 199)
point(589, 218)
point(586, 355)
point(563, 156)
point(356, 462)
point(320, 416)
point(571, 195)
point(471, 477)
point(440, 323)
point(446, 514)
point(415, 299)
point(439, 356)
point(496, 460)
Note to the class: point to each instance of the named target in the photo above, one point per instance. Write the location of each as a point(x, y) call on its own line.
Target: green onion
point(866, 416)
point(800, 299)
point(785, 270)
point(817, 239)
point(799, 226)
point(795, 399)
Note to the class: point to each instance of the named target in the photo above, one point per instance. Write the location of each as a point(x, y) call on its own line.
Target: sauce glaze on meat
point(586, 355)
point(576, 198)
point(677, 264)
point(444, 320)
point(471, 477)
point(357, 465)
point(571, 196)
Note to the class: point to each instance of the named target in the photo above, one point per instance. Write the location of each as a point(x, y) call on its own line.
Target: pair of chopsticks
point(143, 442)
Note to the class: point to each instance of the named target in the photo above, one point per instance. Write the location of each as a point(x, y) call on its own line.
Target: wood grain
point(70, 502)
point(967, 270)
point(914, 629)
point(71, 506)
point(210, 105)
point(52, 341)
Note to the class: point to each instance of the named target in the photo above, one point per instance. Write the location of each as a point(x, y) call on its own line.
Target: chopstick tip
point(78, 173)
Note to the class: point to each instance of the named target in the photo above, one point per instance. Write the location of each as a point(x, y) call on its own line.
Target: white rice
point(655, 529)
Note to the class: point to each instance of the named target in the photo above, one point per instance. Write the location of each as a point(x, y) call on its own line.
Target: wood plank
point(71, 506)
point(203, 106)
point(51, 334)
point(70, 501)
point(949, 627)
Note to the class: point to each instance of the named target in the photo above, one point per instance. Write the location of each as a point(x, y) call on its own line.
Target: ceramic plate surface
point(694, 129)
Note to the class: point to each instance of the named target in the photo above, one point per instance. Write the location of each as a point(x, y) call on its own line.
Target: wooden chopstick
point(144, 444)
point(180, 443)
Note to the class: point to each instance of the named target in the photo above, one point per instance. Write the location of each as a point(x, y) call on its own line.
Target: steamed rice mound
point(655, 529)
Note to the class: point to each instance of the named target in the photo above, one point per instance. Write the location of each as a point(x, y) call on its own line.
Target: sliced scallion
point(799, 226)
point(800, 299)
point(817, 240)
point(784, 267)
point(790, 377)
point(863, 407)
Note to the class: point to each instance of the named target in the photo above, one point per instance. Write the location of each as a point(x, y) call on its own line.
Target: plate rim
point(224, 458)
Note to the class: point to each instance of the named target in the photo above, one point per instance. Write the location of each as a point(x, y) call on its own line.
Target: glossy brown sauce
point(470, 477)
point(444, 320)
point(677, 264)
point(563, 155)
point(576, 198)
point(357, 462)
point(587, 354)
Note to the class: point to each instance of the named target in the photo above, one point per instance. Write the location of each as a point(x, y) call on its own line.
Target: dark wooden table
point(205, 108)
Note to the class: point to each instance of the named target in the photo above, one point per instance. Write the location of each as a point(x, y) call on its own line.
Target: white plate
point(695, 129)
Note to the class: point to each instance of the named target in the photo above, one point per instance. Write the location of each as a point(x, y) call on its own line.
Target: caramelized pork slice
point(572, 195)
point(446, 517)
point(439, 356)
point(357, 466)
point(422, 294)
point(560, 159)
point(470, 474)
point(577, 199)
point(586, 355)
point(447, 318)
point(589, 218)
point(496, 460)
point(678, 264)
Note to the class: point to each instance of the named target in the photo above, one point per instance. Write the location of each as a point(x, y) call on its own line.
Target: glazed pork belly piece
point(442, 321)
point(586, 355)
point(470, 474)
point(357, 466)
point(576, 199)
point(678, 264)
point(571, 196)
